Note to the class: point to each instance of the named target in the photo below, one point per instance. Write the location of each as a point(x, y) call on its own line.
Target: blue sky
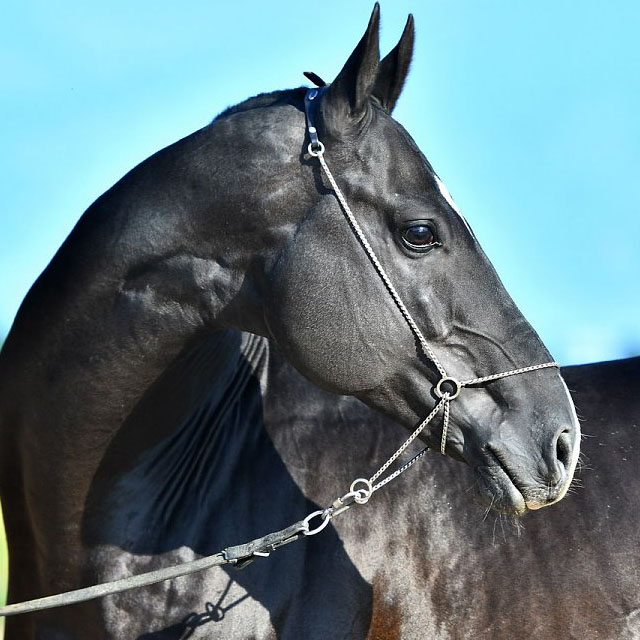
point(527, 110)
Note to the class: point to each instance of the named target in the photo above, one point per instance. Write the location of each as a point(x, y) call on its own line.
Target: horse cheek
point(331, 322)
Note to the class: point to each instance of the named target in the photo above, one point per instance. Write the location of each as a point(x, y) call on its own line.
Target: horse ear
point(347, 98)
point(394, 68)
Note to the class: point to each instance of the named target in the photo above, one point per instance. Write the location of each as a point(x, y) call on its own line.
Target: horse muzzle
point(515, 479)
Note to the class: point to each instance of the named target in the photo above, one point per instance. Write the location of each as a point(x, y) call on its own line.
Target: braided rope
point(400, 470)
point(408, 441)
point(445, 423)
point(379, 268)
point(506, 374)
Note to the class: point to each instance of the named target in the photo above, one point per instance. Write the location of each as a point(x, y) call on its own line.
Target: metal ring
point(325, 521)
point(316, 149)
point(361, 495)
point(457, 385)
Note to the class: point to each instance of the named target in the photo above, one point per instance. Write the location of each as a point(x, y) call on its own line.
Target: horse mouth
point(498, 486)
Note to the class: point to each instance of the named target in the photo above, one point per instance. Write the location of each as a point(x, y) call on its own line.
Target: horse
point(137, 400)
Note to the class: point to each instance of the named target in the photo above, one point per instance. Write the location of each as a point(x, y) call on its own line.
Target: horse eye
point(419, 237)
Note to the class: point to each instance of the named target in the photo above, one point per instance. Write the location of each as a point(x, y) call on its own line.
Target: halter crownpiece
point(315, 146)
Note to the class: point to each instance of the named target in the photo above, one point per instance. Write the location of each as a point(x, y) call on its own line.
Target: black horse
point(146, 414)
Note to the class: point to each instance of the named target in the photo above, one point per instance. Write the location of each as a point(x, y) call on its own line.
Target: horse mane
point(191, 424)
point(268, 99)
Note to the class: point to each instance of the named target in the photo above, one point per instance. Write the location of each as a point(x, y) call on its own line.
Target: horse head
point(320, 299)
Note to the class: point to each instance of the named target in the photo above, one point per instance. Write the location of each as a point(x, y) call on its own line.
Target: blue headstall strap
point(311, 102)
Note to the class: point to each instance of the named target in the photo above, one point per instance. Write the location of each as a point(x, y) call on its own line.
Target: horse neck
point(161, 259)
point(155, 265)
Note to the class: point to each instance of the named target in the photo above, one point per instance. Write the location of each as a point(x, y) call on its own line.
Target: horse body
point(139, 424)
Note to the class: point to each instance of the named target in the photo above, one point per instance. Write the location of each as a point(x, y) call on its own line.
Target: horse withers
point(132, 381)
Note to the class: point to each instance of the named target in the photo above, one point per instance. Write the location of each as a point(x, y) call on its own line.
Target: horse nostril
point(563, 448)
point(560, 459)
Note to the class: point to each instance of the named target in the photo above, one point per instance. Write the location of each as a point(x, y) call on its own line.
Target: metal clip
point(325, 514)
point(242, 563)
point(340, 505)
point(362, 494)
point(315, 148)
point(454, 387)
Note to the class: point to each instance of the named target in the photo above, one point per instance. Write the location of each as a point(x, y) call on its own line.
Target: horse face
point(336, 322)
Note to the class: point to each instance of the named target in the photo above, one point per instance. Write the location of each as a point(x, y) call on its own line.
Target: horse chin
point(497, 491)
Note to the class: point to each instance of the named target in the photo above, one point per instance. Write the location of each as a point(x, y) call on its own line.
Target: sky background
point(529, 112)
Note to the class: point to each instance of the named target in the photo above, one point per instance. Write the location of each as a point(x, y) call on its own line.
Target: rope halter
point(446, 389)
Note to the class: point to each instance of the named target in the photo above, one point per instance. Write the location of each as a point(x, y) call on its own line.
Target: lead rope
point(360, 490)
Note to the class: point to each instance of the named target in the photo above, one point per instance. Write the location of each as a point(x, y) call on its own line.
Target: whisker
point(504, 536)
point(493, 538)
point(488, 509)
